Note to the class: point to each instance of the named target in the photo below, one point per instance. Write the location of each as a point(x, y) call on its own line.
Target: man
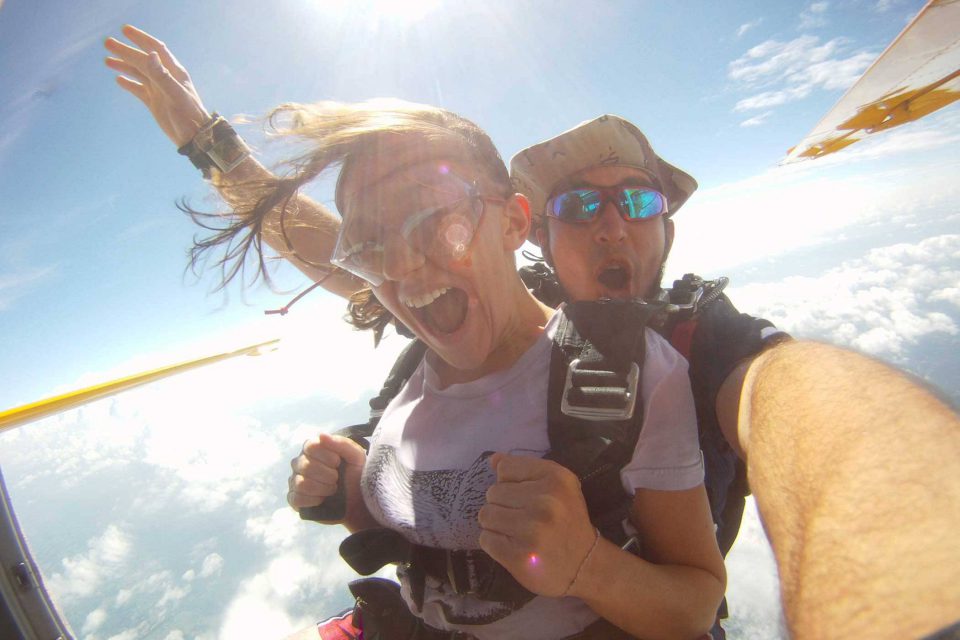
point(603, 251)
point(813, 418)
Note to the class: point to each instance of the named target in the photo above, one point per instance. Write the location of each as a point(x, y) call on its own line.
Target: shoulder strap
point(403, 368)
point(595, 408)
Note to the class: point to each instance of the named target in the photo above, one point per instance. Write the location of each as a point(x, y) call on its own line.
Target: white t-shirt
point(427, 471)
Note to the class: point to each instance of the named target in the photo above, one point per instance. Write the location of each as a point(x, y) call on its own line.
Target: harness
point(594, 418)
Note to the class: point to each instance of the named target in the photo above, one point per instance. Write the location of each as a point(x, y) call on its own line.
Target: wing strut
point(17, 416)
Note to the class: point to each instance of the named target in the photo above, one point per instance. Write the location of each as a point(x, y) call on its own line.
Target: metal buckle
point(452, 575)
point(691, 305)
point(632, 545)
point(598, 414)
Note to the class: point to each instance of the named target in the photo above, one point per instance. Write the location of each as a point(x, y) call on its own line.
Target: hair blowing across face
point(332, 135)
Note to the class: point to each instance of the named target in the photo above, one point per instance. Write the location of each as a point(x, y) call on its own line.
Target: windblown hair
point(330, 135)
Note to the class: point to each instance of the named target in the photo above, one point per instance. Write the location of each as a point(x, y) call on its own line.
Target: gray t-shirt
point(427, 472)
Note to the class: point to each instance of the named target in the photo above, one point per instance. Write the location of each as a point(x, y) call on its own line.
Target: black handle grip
point(333, 508)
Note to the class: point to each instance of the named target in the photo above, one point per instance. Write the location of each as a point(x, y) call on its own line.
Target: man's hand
point(316, 475)
point(535, 523)
point(151, 73)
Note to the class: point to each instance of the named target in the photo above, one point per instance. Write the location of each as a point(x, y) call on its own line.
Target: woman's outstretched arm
point(149, 71)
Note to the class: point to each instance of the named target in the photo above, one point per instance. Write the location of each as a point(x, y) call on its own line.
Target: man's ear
point(516, 217)
point(543, 239)
point(667, 237)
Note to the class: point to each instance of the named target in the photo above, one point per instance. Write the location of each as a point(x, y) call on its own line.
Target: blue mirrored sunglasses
point(580, 206)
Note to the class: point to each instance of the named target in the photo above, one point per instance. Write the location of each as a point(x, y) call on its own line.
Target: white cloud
point(127, 634)
point(790, 71)
point(212, 565)
point(753, 589)
point(172, 594)
point(877, 303)
point(747, 26)
point(83, 574)
point(814, 15)
point(756, 121)
point(947, 294)
point(882, 6)
point(93, 620)
point(176, 634)
point(281, 529)
point(259, 611)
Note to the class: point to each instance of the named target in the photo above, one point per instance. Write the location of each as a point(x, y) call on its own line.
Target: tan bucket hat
point(608, 140)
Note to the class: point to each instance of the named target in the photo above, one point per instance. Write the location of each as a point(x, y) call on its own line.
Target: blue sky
point(92, 249)
point(165, 517)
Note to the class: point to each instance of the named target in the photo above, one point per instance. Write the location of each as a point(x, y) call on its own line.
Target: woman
point(431, 224)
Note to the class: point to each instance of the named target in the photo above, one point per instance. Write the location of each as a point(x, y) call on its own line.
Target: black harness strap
point(594, 408)
point(383, 615)
point(466, 571)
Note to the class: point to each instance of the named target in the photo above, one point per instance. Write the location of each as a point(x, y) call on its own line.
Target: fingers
point(522, 495)
point(502, 548)
point(150, 44)
point(345, 448)
point(135, 88)
point(125, 52)
point(524, 468)
point(308, 492)
point(316, 471)
point(127, 69)
point(142, 65)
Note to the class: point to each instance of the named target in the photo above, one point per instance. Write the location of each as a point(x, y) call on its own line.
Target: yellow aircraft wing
point(917, 74)
point(17, 416)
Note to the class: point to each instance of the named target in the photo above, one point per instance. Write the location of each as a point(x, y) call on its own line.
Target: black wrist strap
point(208, 148)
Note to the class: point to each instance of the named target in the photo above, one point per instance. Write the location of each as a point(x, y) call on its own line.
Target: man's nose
point(610, 226)
point(399, 258)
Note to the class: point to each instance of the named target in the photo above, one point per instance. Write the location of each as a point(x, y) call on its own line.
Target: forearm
point(854, 468)
point(645, 599)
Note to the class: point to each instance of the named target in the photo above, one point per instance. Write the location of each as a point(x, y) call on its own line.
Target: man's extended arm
point(856, 473)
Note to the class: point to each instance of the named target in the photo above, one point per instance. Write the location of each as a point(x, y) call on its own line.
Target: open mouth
point(443, 311)
point(614, 277)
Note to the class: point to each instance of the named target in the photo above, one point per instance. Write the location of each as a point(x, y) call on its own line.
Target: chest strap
point(471, 572)
point(383, 615)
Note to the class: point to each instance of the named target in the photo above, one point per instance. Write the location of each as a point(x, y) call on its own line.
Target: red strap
point(340, 627)
point(682, 337)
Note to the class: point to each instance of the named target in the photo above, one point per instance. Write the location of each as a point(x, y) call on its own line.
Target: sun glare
point(399, 12)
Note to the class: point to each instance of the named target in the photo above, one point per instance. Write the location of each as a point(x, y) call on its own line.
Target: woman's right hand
point(151, 73)
point(316, 476)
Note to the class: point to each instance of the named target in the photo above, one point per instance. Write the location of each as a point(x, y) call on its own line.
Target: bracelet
point(583, 562)
point(215, 145)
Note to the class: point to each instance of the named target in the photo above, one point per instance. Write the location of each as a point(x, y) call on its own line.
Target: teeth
point(424, 299)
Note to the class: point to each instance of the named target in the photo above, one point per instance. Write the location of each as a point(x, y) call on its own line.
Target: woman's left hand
point(535, 523)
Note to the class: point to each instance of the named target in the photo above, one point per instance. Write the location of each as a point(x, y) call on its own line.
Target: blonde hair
point(335, 135)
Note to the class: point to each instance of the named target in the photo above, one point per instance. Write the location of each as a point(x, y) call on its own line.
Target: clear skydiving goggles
point(438, 214)
point(581, 206)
